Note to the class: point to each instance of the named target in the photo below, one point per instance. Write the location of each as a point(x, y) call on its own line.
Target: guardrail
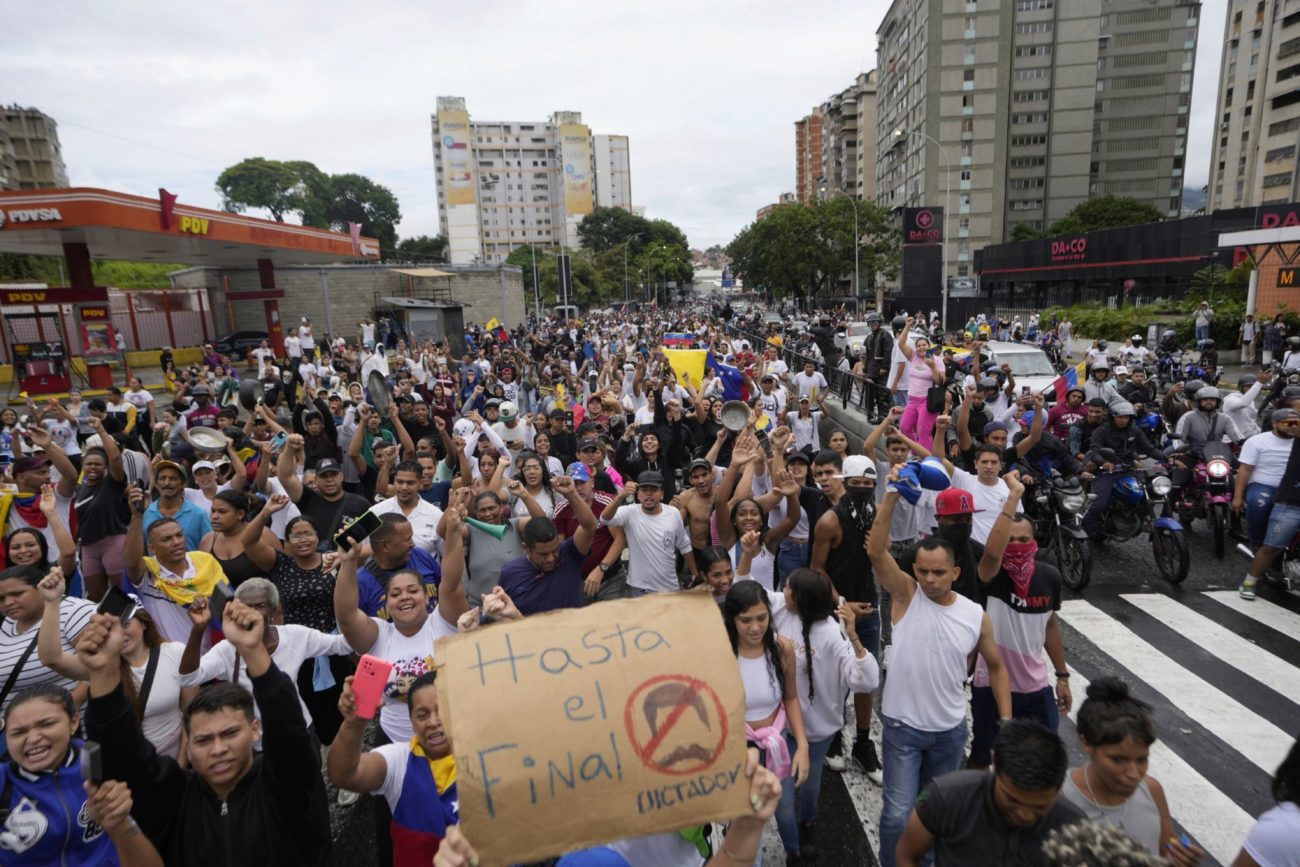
point(858, 392)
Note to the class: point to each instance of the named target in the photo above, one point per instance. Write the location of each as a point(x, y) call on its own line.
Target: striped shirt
point(74, 614)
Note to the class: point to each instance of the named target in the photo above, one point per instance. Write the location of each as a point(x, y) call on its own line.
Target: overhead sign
point(457, 167)
point(923, 225)
point(94, 311)
point(53, 295)
point(632, 709)
point(1070, 249)
point(194, 225)
point(30, 215)
point(1286, 278)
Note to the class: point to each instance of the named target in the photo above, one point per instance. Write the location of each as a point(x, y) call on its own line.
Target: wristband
point(1063, 675)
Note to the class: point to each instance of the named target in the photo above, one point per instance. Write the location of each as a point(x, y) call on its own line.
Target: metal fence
point(852, 390)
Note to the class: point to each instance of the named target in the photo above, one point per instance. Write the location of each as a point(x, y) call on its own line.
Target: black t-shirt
point(968, 560)
point(970, 830)
point(329, 515)
point(102, 510)
point(1288, 490)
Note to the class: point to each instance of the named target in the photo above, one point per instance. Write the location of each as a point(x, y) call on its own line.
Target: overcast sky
point(165, 94)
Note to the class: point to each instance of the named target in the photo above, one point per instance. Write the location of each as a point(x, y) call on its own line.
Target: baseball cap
point(804, 397)
point(508, 410)
point(590, 444)
point(162, 465)
point(858, 467)
point(35, 462)
point(650, 479)
point(328, 465)
point(203, 465)
point(578, 472)
point(955, 501)
point(699, 463)
point(1121, 369)
point(994, 426)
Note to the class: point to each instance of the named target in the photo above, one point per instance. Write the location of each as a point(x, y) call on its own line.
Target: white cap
point(202, 465)
point(463, 427)
point(1121, 370)
point(858, 467)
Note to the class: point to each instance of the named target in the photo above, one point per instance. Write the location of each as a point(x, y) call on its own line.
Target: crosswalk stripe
point(1261, 611)
point(1213, 819)
point(1223, 643)
point(1245, 731)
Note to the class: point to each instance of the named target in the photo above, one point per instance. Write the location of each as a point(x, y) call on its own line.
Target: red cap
point(955, 501)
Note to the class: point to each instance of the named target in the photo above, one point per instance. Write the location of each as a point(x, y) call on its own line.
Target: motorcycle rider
point(1209, 360)
point(1135, 353)
point(1116, 441)
point(1138, 390)
point(1099, 386)
point(1291, 360)
point(1081, 431)
point(1180, 399)
point(877, 355)
point(1205, 424)
point(1066, 412)
point(1240, 406)
point(1284, 514)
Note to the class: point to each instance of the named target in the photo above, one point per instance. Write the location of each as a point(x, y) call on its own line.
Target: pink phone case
point(368, 684)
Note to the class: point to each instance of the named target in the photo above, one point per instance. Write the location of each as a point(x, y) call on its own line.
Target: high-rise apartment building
point(1257, 133)
point(849, 140)
point(31, 158)
point(502, 185)
point(808, 156)
point(1016, 112)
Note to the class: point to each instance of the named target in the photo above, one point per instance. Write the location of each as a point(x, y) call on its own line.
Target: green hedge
point(1121, 323)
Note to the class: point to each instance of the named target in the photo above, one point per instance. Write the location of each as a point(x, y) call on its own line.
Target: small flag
point(491, 324)
point(732, 379)
point(1069, 378)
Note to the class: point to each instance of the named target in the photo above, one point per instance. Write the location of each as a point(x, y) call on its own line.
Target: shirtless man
point(704, 494)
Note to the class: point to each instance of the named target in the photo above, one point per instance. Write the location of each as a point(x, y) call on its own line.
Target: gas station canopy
point(123, 226)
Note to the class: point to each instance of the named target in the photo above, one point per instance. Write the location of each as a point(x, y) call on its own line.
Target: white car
point(1029, 364)
point(850, 339)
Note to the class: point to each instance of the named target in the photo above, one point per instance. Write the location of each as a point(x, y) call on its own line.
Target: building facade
point(785, 199)
point(30, 155)
point(1254, 160)
point(1016, 112)
point(807, 156)
point(502, 185)
point(849, 141)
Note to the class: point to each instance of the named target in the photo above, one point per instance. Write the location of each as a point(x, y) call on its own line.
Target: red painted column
point(274, 329)
point(80, 274)
point(130, 312)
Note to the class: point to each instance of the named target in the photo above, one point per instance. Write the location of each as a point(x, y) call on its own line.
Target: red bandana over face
point(1018, 560)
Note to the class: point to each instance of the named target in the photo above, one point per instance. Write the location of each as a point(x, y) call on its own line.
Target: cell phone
point(368, 684)
point(117, 603)
point(1024, 390)
point(221, 594)
point(143, 503)
point(278, 441)
point(644, 429)
point(92, 763)
point(358, 531)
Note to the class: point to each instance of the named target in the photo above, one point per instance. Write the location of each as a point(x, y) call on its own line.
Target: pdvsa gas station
point(81, 224)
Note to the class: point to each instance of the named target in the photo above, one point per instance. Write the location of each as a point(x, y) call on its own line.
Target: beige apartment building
point(30, 155)
point(1257, 132)
point(808, 156)
point(502, 185)
point(1014, 112)
point(849, 141)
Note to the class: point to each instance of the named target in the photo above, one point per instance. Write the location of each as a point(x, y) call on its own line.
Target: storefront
point(1133, 265)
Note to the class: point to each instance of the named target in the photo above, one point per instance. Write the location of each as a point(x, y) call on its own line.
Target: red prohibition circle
point(694, 688)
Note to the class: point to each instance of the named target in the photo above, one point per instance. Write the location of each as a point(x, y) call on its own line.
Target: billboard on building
point(575, 146)
point(457, 159)
point(922, 226)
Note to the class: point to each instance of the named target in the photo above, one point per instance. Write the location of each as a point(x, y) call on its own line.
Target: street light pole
point(947, 209)
point(857, 243)
point(627, 289)
point(537, 292)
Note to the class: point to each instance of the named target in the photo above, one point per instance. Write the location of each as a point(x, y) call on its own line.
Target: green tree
point(423, 248)
point(606, 228)
point(357, 199)
point(1106, 212)
point(1024, 232)
point(257, 182)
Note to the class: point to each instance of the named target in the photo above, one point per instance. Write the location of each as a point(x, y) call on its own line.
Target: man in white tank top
point(923, 713)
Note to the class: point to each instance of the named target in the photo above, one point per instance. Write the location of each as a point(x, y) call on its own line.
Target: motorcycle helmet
point(1137, 339)
point(1207, 343)
point(1209, 393)
point(1123, 407)
point(988, 382)
point(1293, 343)
point(1192, 386)
point(1246, 380)
point(899, 323)
point(1073, 389)
point(874, 316)
point(1291, 392)
point(1101, 365)
point(1169, 336)
point(1101, 344)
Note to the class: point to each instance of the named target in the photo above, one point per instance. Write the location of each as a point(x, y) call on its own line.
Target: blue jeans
point(1202, 333)
point(1102, 486)
point(1040, 705)
point(912, 758)
point(1259, 504)
point(1283, 524)
point(789, 557)
point(868, 630)
point(900, 397)
point(800, 805)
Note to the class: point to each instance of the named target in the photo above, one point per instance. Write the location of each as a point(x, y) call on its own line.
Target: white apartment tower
point(1014, 112)
point(502, 185)
point(1254, 160)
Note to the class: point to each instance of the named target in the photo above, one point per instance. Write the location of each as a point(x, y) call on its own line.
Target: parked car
point(238, 344)
point(850, 338)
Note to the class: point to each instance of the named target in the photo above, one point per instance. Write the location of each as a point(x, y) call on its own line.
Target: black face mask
point(956, 535)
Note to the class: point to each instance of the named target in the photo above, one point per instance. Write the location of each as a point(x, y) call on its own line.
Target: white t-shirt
point(811, 385)
point(64, 434)
point(368, 332)
point(773, 404)
point(292, 346)
point(200, 499)
point(761, 569)
point(651, 541)
point(297, 645)
point(162, 716)
point(805, 429)
point(990, 498)
point(1268, 453)
point(285, 515)
point(411, 657)
point(1272, 841)
point(896, 357)
point(260, 354)
point(396, 757)
point(424, 520)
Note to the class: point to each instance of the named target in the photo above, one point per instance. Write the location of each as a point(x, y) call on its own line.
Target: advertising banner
point(457, 158)
point(575, 148)
point(98, 340)
point(587, 725)
point(922, 226)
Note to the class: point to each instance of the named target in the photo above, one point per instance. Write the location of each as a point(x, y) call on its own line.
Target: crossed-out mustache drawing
point(672, 695)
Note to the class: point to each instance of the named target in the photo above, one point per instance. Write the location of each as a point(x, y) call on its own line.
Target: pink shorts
point(104, 558)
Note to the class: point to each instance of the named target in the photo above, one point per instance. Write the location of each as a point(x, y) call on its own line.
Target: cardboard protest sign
point(588, 725)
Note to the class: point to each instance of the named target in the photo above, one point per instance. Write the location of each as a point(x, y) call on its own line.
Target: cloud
point(707, 92)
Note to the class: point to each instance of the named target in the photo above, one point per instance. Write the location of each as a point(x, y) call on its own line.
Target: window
point(1034, 51)
point(1029, 117)
point(963, 223)
point(1033, 5)
point(965, 175)
point(1227, 98)
point(967, 101)
point(1278, 180)
point(1028, 140)
point(1027, 162)
point(1289, 48)
point(1288, 73)
point(1032, 73)
point(1027, 205)
point(968, 75)
point(1026, 183)
point(1285, 126)
point(1028, 95)
point(1286, 99)
point(1034, 27)
point(1276, 154)
point(967, 125)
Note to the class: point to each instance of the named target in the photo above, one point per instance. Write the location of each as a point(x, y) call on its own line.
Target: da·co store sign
point(1070, 249)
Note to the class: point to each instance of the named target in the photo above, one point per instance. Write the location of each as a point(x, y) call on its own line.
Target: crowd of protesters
point(552, 466)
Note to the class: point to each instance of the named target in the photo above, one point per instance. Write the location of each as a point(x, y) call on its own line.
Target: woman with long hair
point(767, 669)
point(923, 370)
point(838, 442)
point(28, 546)
point(715, 568)
point(442, 404)
point(1114, 788)
point(746, 522)
point(828, 665)
point(226, 542)
point(543, 446)
point(102, 512)
point(150, 667)
point(532, 471)
point(1273, 838)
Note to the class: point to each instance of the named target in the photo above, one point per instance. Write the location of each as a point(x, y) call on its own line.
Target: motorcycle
point(1194, 370)
point(1137, 496)
point(1285, 571)
point(1208, 495)
point(1058, 526)
point(1169, 367)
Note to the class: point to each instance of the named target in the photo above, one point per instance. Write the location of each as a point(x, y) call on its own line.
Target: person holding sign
point(417, 778)
point(773, 717)
point(406, 640)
